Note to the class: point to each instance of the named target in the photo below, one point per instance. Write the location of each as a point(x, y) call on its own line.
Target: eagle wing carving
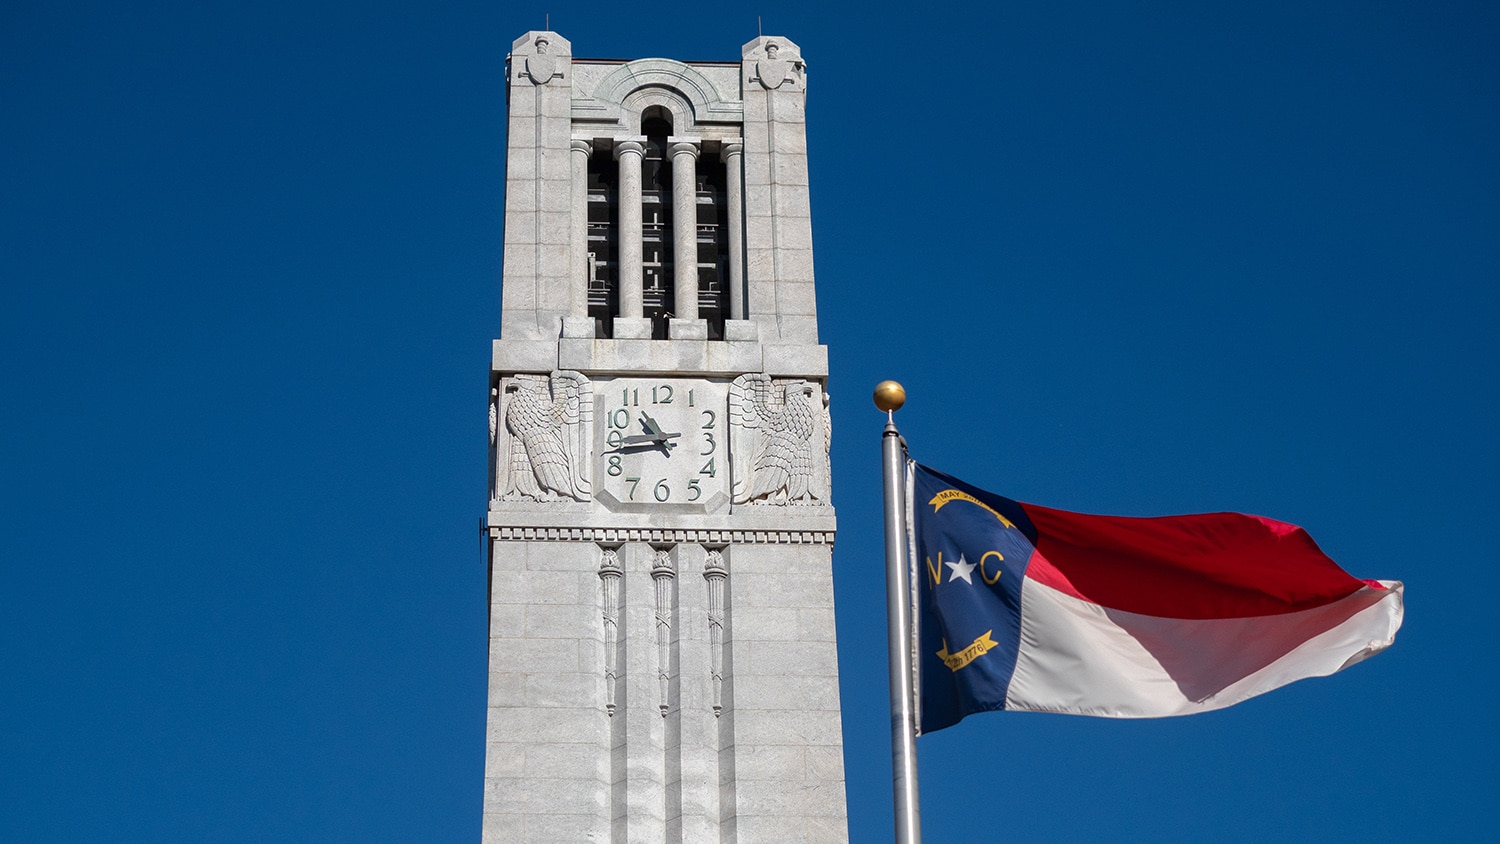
point(546, 418)
point(773, 423)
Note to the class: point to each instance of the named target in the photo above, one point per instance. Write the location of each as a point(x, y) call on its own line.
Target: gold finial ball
point(889, 396)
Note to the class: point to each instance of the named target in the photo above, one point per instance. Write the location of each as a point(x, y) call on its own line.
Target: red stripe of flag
point(1212, 565)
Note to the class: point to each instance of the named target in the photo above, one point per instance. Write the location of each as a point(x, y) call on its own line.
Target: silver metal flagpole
point(889, 396)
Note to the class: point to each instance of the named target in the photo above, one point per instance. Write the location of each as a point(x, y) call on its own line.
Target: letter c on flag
point(984, 574)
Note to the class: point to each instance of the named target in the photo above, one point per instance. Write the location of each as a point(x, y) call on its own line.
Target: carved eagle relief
point(779, 435)
point(545, 453)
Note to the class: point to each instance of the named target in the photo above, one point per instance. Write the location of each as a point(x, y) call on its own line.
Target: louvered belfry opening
point(657, 265)
point(713, 245)
point(658, 234)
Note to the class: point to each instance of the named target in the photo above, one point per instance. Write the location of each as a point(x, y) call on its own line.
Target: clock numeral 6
point(662, 492)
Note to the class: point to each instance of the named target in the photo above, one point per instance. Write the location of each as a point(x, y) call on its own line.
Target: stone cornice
point(700, 536)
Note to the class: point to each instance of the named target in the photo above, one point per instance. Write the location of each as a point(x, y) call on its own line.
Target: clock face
point(662, 442)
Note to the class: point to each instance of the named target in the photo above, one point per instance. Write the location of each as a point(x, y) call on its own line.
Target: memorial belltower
point(661, 664)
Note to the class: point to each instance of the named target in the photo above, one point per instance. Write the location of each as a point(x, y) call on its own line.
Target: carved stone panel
point(780, 64)
point(610, 574)
point(543, 435)
point(778, 431)
point(540, 57)
point(664, 574)
point(716, 574)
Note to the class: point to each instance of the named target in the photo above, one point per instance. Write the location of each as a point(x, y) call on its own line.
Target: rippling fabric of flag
point(1028, 608)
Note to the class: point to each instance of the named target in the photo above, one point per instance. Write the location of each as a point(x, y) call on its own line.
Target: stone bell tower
point(662, 664)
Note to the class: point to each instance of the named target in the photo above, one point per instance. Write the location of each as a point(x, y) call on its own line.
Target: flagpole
point(889, 396)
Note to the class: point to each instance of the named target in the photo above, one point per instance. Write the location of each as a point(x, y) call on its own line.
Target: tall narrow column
point(733, 155)
point(578, 285)
point(628, 153)
point(684, 154)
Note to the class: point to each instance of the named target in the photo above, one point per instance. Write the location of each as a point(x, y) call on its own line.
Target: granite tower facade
point(662, 661)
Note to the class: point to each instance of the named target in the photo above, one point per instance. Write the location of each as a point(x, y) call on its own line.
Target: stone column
point(577, 323)
point(684, 154)
point(628, 152)
point(733, 155)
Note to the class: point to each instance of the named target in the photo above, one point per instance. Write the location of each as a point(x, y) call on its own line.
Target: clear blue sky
point(1135, 258)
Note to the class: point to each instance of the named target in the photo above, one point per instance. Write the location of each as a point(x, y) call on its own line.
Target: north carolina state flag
point(1030, 608)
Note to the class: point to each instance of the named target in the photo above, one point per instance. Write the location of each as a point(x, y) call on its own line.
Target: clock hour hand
point(655, 434)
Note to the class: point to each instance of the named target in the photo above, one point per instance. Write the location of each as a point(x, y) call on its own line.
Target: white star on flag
point(961, 570)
